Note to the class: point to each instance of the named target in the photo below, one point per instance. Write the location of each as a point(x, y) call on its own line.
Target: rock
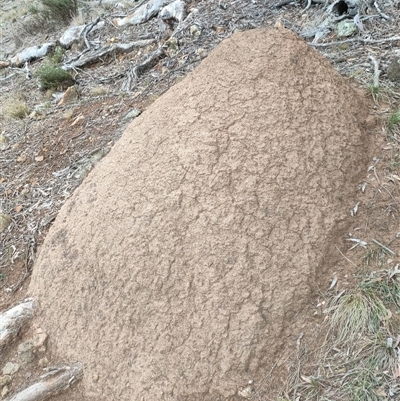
point(10, 368)
point(70, 95)
point(346, 28)
point(5, 391)
point(43, 362)
point(39, 339)
point(195, 30)
point(175, 10)
point(25, 353)
point(4, 64)
point(5, 221)
point(130, 116)
point(393, 71)
point(73, 34)
point(4, 380)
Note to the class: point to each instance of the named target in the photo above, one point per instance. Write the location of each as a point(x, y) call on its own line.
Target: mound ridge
point(177, 269)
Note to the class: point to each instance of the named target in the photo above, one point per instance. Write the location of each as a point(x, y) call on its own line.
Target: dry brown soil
point(186, 264)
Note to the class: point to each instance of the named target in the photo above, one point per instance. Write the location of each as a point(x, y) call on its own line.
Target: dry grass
point(359, 360)
point(15, 108)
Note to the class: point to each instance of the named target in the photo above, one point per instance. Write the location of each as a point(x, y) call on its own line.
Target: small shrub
point(53, 77)
point(57, 55)
point(59, 10)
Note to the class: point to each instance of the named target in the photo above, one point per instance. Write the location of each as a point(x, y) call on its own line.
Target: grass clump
point(374, 91)
point(392, 127)
point(16, 107)
point(359, 360)
point(55, 10)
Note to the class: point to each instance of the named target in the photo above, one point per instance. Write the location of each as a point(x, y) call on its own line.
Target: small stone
point(39, 339)
point(70, 95)
point(43, 362)
point(21, 158)
point(346, 28)
point(130, 116)
point(195, 30)
point(10, 368)
point(393, 71)
point(25, 353)
point(202, 52)
point(4, 392)
point(42, 349)
point(5, 221)
point(4, 380)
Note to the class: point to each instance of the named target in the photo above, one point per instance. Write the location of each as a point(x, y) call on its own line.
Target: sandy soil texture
point(179, 268)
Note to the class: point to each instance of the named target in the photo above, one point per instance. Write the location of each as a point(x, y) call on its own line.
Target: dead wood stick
point(134, 73)
point(383, 246)
point(387, 18)
point(377, 71)
point(284, 3)
point(368, 41)
point(52, 383)
point(114, 48)
point(12, 320)
point(307, 6)
point(87, 29)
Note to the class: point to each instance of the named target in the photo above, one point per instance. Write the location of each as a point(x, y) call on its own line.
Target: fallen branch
point(31, 53)
point(134, 73)
point(362, 40)
point(58, 379)
point(377, 71)
point(384, 16)
point(143, 13)
point(87, 29)
point(12, 320)
point(383, 247)
point(114, 48)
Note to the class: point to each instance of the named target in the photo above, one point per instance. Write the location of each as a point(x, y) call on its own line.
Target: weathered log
point(174, 10)
point(31, 53)
point(114, 48)
point(58, 379)
point(143, 13)
point(12, 320)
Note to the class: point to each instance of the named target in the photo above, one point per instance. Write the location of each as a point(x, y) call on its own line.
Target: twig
point(116, 47)
point(383, 246)
point(284, 3)
point(350, 261)
point(134, 73)
point(51, 383)
point(307, 6)
point(380, 12)
point(377, 71)
point(362, 40)
point(87, 29)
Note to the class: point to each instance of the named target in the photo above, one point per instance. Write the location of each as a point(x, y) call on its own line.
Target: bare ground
point(49, 153)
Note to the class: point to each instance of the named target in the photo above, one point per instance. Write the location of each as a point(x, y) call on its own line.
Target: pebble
point(10, 368)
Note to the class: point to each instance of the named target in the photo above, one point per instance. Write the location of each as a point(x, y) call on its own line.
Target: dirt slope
point(179, 267)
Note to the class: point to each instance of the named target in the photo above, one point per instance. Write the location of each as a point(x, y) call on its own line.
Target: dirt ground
point(182, 264)
point(48, 154)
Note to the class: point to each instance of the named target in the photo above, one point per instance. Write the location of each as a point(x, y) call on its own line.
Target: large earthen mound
point(177, 268)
